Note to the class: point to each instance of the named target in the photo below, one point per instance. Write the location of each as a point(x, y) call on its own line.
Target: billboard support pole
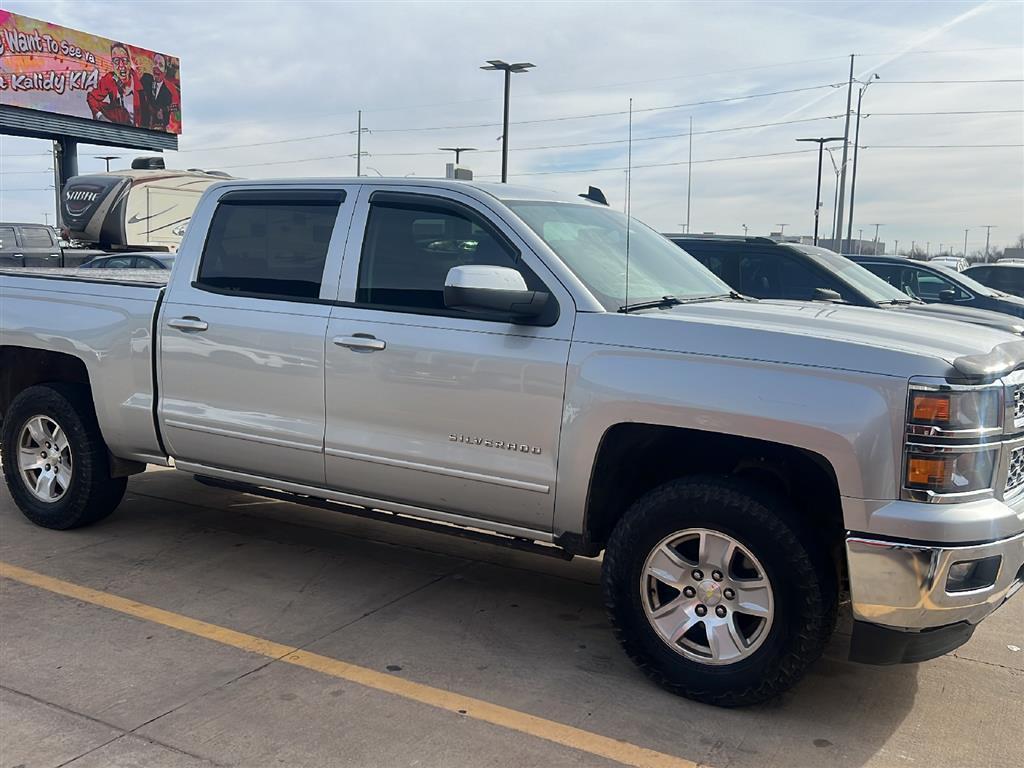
point(65, 165)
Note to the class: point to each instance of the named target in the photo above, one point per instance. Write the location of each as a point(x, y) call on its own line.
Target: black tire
point(91, 494)
point(802, 580)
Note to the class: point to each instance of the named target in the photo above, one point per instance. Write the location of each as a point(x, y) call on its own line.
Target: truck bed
point(105, 319)
point(140, 277)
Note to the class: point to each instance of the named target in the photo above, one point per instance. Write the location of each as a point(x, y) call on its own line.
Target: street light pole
point(458, 151)
point(966, 230)
point(107, 158)
point(846, 145)
point(817, 194)
point(508, 69)
point(874, 246)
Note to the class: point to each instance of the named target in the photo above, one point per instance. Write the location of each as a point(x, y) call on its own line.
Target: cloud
point(260, 72)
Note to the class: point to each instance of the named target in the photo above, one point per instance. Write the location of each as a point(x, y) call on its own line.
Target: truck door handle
point(363, 343)
point(188, 323)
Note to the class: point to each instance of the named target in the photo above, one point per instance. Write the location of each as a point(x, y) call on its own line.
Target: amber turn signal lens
point(929, 472)
point(931, 409)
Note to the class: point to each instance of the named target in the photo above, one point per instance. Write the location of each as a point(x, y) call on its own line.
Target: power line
point(939, 146)
point(615, 113)
point(522, 122)
point(957, 112)
point(946, 82)
point(549, 146)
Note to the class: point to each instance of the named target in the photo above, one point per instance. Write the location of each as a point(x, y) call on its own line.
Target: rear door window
point(269, 244)
point(37, 237)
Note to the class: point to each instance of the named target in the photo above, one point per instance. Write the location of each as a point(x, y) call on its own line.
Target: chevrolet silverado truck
point(545, 373)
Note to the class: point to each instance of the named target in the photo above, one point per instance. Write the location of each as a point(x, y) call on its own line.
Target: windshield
point(868, 283)
point(591, 240)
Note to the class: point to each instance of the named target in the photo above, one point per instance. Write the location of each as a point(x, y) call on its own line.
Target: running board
point(394, 518)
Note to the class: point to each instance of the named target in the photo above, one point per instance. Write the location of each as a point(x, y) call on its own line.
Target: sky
point(276, 74)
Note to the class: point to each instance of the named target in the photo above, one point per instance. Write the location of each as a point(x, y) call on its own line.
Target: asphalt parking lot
point(202, 627)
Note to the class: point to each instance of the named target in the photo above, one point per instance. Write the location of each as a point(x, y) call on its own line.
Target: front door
point(242, 338)
point(438, 408)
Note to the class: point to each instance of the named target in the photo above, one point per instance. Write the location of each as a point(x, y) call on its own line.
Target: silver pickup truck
point(537, 371)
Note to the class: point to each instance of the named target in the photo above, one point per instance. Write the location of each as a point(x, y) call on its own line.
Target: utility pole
point(966, 230)
point(874, 247)
point(860, 240)
point(782, 229)
point(856, 147)
point(46, 217)
point(896, 250)
point(744, 229)
point(988, 234)
point(508, 69)
point(689, 177)
point(817, 195)
point(846, 145)
point(359, 131)
point(927, 249)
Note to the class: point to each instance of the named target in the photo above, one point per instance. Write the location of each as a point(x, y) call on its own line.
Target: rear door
point(39, 246)
point(10, 256)
point(434, 407)
point(242, 335)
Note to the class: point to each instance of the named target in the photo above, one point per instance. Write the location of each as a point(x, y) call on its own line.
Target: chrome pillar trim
point(903, 585)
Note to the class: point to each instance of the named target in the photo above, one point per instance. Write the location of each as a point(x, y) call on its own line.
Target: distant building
point(1013, 253)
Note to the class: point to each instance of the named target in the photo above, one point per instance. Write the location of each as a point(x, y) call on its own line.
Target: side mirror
point(826, 294)
point(479, 287)
point(947, 296)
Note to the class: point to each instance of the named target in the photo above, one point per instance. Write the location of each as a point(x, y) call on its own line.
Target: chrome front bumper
point(904, 585)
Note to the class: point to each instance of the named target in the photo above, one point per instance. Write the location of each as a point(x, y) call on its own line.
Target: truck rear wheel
point(55, 461)
point(715, 593)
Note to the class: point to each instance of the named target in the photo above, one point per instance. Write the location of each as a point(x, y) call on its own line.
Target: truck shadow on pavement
point(516, 629)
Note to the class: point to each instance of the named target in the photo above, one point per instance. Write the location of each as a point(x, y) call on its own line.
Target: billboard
point(62, 71)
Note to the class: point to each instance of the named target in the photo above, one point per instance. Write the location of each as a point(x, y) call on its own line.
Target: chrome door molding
point(313, 447)
point(439, 470)
point(366, 502)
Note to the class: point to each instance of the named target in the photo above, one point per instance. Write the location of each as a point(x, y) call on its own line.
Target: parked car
point(959, 263)
point(934, 283)
point(147, 260)
point(482, 362)
point(1003, 276)
point(29, 245)
point(766, 269)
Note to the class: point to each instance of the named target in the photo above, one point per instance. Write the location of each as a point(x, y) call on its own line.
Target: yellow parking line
point(585, 741)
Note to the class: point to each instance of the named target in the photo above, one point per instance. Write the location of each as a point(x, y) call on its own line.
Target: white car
point(959, 263)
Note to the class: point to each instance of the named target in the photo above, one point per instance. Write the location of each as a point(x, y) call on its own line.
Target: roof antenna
point(629, 191)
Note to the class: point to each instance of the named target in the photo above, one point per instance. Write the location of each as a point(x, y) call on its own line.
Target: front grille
point(1018, 403)
point(1015, 475)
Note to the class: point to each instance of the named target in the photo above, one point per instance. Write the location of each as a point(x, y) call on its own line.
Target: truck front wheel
point(55, 460)
point(716, 592)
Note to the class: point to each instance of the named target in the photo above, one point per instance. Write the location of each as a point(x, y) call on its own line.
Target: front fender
point(853, 420)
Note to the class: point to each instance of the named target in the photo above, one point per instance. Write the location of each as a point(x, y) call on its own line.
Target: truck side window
point(411, 244)
point(269, 243)
point(7, 239)
point(36, 237)
point(775, 276)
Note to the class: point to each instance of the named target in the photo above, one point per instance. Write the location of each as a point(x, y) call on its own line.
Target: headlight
point(953, 436)
point(959, 410)
point(947, 470)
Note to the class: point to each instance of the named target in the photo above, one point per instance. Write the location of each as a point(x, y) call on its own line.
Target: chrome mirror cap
point(485, 288)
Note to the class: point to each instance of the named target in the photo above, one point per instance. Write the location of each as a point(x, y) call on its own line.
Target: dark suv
point(1007, 277)
point(29, 245)
point(765, 269)
point(937, 284)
